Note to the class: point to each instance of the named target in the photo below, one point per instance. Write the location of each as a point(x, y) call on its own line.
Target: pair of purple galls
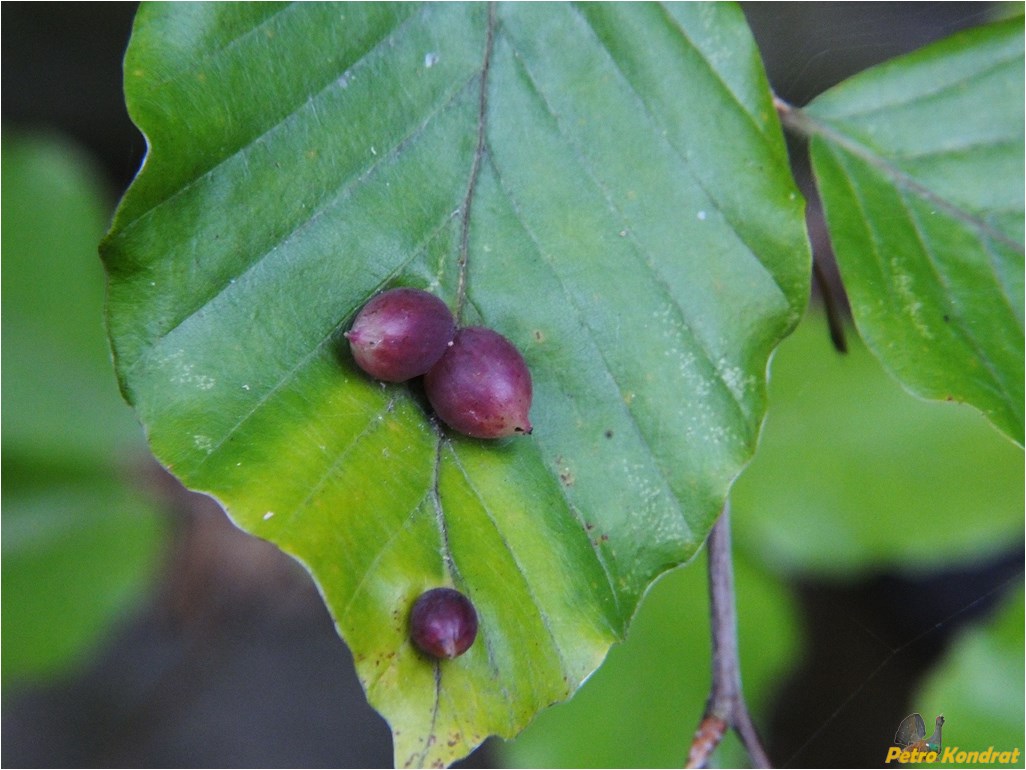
point(474, 378)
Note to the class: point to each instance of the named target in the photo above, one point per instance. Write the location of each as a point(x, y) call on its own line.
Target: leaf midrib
point(872, 238)
point(822, 131)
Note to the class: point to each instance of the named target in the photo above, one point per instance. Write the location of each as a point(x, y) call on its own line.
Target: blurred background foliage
point(879, 539)
point(977, 684)
point(78, 542)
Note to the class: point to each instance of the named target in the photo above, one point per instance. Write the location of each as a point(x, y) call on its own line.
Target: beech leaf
point(606, 185)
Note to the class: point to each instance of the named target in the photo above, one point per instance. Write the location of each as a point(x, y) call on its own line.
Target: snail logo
point(913, 747)
point(911, 734)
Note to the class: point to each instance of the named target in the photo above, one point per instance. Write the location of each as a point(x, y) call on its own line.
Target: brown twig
point(834, 314)
point(726, 705)
point(793, 120)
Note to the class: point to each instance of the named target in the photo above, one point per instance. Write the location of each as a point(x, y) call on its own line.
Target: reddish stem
point(726, 705)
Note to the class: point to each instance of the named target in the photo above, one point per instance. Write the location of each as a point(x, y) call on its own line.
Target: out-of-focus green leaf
point(76, 552)
point(979, 689)
point(920, 166)
point(641, 707)
point(60, 393)
point(78, 545)
point(853, 474)
point(631, 225)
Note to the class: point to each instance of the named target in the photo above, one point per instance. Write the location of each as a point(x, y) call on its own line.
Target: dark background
point(234, 661)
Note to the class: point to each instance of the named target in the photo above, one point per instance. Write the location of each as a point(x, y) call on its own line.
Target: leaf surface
point(920, 166)
point(606, 185)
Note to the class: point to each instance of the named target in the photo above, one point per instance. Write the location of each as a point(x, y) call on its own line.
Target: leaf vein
point(643, 254)
point(373, 424)
point(872, 239)
point(964, 330)
point(899, 178)
point(542, 612)
point(475, 168)
point(921, 95)
point(210, 54)
point(372, 565)
point(600, 355)
point(309, 101)
point(652, 118)
point(330, 200)
point(303, 362)
point(674, 23)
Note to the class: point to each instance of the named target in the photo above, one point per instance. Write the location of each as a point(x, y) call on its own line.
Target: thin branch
point(726, 705)
point(791, 118)
point(835, 317)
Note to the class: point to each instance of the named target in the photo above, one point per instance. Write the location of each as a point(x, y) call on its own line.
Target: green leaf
point(979, 688)
point(920, 166)
point(78, 551)
point(853, 474)
point(78, 545)
point(618, 178)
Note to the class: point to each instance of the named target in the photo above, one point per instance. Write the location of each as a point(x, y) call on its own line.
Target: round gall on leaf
point(481, 386)
point(443, 623)
point(400, 334)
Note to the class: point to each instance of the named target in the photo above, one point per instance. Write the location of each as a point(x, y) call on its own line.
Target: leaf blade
point(919, 163)
point(229, 340)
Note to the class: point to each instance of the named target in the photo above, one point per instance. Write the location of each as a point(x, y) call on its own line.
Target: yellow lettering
point(953, 755)
point(892, 753)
